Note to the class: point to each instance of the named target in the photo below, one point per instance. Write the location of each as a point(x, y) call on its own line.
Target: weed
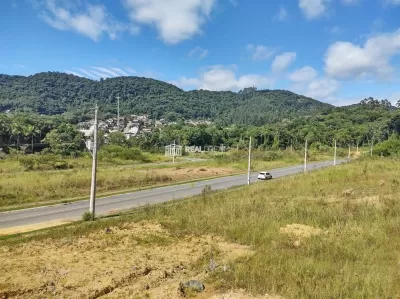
point(87, 216)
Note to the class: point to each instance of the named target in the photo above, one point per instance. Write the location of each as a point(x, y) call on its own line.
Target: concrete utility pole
point(349, 152)
point(249, 166)
point(372, 146)
point(118, 113)
point(173, 154)
point(94, 166)
point(291, 146)
point(334, 158)
point(305, 157)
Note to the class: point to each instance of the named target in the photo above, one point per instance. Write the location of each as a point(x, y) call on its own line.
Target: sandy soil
point(299, 233)
point(32, 227)
point(140, 260)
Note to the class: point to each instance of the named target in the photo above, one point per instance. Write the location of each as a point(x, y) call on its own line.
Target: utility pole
point(334, 157)
point(249, 166)
point(349, 153)
point(372, 146)
point(94, 166)
point(118, 113)
point(305, 157)
point(173, 154)
point(291, 146)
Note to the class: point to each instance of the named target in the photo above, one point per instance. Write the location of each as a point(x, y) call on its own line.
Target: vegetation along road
point(112, 204)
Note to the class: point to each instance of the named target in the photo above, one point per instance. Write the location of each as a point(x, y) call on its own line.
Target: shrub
point(111, 152)
point(388, 147)
point(87, 216)
point(43, 162)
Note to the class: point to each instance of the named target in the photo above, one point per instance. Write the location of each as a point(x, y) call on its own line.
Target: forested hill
point(55, 93)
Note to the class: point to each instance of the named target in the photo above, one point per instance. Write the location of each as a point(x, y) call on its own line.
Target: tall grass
point(356, 206)
point(48, 178)
point(29, 187)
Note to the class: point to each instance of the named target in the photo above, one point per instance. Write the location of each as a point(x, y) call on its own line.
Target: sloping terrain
point(54, 93)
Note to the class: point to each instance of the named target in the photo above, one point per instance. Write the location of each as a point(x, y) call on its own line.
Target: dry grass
point(348, 243)
point(129, 261)
point(18, 189)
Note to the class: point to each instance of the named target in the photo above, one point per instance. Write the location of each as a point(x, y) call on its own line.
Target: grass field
point(20, 188)
point(333, 233)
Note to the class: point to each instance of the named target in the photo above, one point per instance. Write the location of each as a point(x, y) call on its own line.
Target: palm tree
point(16, 130)
point(30, 131)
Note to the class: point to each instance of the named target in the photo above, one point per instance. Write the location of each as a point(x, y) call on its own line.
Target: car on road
point(263, 175)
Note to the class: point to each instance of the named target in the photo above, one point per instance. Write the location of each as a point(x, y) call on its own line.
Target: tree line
point(369, 122)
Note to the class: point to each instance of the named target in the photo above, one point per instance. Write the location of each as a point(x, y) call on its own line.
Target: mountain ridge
point(55, 93)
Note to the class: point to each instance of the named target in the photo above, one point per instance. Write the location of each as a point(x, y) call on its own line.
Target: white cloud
point(260, 52)
point(88, 74)
point(175, 20)
point(282, 61)
point(91, 21)
point(97, 72)
point(322, 89)
point(282, 15)
point(130, 70)
point(74, 73)
point(104, 70)
point(304, 74)
point(198, 52)
point(119, 71)
point(313, 9)
point(20, 65)
point(346, 60)
point(223, 78)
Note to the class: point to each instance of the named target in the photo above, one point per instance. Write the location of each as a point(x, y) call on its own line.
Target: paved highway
point(116, 203)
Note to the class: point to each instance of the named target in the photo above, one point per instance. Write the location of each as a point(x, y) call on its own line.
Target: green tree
point(65, 140)
point(117, 138)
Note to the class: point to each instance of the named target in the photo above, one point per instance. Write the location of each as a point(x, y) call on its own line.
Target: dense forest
point(57, 93)
point(45, 107)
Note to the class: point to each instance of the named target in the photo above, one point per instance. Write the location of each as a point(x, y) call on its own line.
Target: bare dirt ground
point(32, 227)
point(139, 260)
point(299, 232)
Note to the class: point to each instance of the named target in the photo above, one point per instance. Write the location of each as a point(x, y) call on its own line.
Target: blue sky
point(337, 51)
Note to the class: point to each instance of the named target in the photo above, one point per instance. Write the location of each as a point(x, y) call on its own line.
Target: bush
point(388, 147)
point(87, 216)
point(111, 152)
point(43, 162)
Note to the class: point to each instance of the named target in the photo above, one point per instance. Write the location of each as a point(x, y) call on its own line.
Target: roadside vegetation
point(331, 233)
point(32, 180)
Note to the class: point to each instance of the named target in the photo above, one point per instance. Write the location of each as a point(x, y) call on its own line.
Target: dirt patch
point(300, 231)
point(135, 260)
point(241, 294)
point(32, 227)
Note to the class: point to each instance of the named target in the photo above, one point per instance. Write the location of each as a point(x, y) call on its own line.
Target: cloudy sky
point(336, 51)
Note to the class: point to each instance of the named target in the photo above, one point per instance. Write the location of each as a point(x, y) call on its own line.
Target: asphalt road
point(116, 203)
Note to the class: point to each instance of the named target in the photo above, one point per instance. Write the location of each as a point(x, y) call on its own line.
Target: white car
point(264, 176)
